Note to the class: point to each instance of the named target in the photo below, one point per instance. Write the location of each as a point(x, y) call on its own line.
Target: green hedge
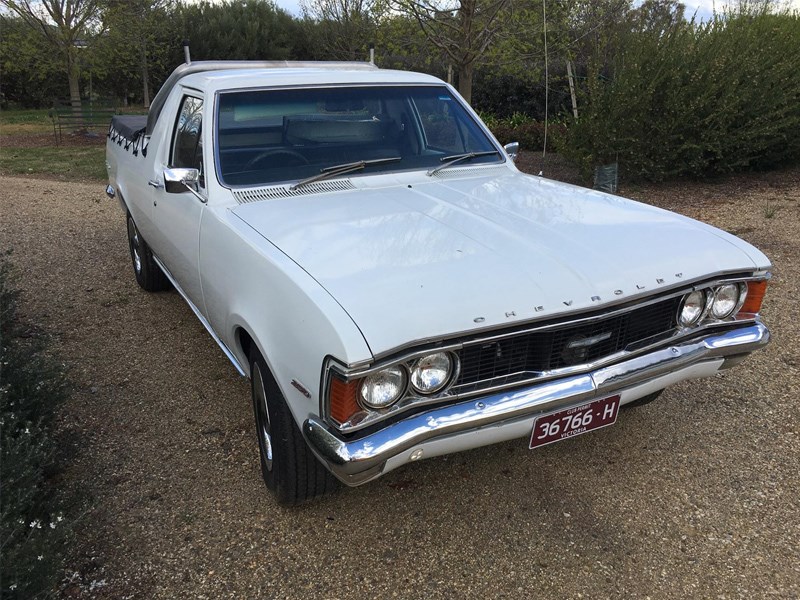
point(696, 99)
point(33, 519)
point(528, 132)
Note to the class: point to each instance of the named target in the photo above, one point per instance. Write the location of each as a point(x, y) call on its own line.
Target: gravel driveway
point(697, 495)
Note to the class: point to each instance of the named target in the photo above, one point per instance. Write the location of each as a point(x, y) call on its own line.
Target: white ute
point(363, 249)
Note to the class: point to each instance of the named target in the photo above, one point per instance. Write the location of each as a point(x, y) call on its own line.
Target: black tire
point(289, 467)
point(148, 274)
point(644, 400)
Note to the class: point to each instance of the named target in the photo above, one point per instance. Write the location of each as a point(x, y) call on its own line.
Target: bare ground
point(695, 495)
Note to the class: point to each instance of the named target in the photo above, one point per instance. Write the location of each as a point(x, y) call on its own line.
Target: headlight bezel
point(354, 377)
point(446, 380)
point(712, 291)
point(700, 315)
point(400, 371)
point(741, 294)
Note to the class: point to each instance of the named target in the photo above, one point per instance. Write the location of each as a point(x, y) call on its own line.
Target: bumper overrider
point(510, 414)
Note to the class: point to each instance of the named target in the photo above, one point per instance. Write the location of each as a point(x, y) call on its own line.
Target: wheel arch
point(244, 343)
point(123, 204)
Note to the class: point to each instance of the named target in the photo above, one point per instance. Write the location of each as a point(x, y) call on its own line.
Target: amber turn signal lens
point(755, 295)
point(343, 403)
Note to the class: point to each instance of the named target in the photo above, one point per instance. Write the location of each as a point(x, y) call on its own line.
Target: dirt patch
point(692, 496)
point(43, 140)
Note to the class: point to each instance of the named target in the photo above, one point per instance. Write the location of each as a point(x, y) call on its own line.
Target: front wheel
point(289, 467)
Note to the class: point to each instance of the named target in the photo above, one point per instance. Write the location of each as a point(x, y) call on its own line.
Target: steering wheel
point(274, 152)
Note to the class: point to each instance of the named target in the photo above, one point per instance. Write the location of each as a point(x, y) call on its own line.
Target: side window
point(187, 145)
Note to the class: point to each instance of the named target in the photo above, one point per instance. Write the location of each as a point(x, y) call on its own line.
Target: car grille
point(520, 357)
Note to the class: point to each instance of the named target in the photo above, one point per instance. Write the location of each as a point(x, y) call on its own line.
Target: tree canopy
point(667, 93)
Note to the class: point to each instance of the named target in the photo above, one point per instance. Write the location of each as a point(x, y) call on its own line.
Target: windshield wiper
point(342, 169)
point(457, 158)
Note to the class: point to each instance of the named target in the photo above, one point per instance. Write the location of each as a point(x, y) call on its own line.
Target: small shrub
point(33, 526)
point(529, 133)
point(489, 118)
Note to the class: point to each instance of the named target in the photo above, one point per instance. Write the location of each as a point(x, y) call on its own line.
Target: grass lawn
point(64, 162)
point(27, 147)
point(14, 122)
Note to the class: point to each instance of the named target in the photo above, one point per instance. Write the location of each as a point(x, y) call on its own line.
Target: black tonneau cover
point(127, 131)
point(129, 126)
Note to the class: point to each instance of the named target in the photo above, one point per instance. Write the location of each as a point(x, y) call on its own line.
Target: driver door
point(177, 215)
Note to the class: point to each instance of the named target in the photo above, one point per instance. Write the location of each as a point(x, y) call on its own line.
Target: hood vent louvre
point(284, 191)
point(471, 172)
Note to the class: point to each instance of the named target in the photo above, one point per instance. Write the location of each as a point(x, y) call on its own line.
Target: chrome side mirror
point(177, 181)
point(512, 149)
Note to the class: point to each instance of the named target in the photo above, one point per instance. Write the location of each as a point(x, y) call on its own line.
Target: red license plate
point(570, 422)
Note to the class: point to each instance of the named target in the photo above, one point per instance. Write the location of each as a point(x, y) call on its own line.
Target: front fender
point(248, 283)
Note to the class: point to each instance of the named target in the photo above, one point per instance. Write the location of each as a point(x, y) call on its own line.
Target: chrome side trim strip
point(359, 460)
point(202, 319)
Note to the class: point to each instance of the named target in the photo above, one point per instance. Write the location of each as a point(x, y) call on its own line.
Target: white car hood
point(444, 256)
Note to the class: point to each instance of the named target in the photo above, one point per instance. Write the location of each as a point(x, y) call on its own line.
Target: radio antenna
point(546, 84)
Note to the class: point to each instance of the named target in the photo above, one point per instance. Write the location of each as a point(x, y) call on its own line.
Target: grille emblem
point(577, 347)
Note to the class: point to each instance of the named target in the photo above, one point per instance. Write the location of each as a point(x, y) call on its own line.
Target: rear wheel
point(289, 467)
point(148, 274)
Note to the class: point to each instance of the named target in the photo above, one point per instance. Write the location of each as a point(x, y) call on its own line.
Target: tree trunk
point(465, 81)
point(145, 75)
point(74, 75)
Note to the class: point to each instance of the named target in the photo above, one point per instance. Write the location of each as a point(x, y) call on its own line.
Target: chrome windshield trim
point(456, 96)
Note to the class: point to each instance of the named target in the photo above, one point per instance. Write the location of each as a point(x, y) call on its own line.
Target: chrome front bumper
point(360, 460)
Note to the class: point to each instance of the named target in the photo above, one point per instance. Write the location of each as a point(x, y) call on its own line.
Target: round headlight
point(692, 308)
point(430, 373)
point(726, 297)
point(383, 388)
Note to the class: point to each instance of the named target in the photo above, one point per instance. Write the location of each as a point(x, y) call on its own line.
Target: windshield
point(275, 136)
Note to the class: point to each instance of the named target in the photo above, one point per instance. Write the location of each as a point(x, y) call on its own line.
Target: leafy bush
point(506, 94)
point(523, 129)
point(33, 531)
point(695, 99)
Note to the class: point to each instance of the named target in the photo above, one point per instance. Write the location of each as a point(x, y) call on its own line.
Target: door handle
point(155, 184)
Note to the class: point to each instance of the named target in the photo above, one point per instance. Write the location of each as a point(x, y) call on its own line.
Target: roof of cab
point(254, 78)
point(217, 75)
